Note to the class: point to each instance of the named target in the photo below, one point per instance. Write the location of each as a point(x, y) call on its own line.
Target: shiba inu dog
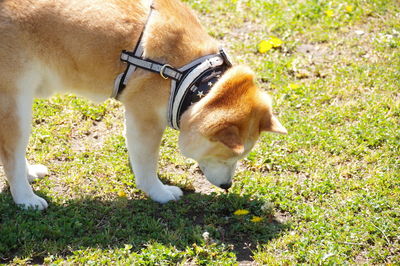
point(49, 46)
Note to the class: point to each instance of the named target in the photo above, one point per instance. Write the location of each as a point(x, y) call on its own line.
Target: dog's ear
point(271, 123)
point(229, 136)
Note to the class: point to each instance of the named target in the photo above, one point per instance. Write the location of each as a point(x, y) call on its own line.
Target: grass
point(327, 193)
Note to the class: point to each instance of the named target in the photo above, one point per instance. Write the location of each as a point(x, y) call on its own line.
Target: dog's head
point(224, 126)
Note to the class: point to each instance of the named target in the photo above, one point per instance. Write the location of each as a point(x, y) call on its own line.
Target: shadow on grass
point(97, 223)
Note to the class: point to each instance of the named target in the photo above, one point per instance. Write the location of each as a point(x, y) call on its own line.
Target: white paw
point(32, 202)
point(165, 193)
point(37, 171)
point(176, 191)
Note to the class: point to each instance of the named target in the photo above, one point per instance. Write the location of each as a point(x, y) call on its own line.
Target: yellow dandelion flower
point(264, 46)
point(349, 8)
point(241, 212)
point(294, 86)
point(256, 219)
point(121, 194)
point(276, 42)
point(329, 13)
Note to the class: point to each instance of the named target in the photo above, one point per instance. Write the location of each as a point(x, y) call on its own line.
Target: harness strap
point(166, 71)
point(123, 78)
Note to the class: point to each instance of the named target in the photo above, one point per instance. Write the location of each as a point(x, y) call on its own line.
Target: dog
point(50, 46)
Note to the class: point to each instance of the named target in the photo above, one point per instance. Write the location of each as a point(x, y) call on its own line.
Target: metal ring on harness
point(162, 71)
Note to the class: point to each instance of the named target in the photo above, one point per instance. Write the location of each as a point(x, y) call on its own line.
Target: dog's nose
point(226, 186)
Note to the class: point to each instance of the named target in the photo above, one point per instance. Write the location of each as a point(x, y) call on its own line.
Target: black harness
point(189, 84)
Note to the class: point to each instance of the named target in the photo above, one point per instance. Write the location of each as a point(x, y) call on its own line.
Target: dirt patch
point(200, 183)
point(3, 183)
point(197, 182)
point(93, 137)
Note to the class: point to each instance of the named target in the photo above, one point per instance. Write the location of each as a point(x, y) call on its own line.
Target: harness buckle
point(225, 57)
point(163, 69)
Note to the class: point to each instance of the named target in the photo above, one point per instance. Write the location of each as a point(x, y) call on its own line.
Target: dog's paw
point(37, 171)
point(176, 191)
point(165, 193)
point(32, 202)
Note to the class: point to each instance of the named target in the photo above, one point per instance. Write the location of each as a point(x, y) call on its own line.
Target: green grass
point(328, 193)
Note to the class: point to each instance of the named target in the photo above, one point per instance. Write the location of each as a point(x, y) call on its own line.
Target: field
point(326, 193)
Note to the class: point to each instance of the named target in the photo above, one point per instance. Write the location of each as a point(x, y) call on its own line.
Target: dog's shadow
point(108, 224)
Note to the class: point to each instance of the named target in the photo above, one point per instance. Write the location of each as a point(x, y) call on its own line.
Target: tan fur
point(74, 45)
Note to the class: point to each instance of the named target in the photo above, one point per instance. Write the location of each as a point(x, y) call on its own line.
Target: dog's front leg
point(143, 136)
point(15, 112)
